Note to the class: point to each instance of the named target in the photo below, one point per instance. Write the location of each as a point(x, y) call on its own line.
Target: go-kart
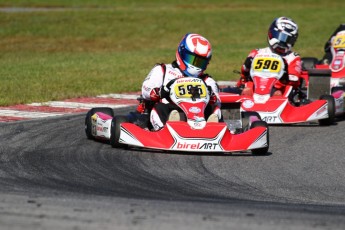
point(192, 133)
point(290, 107)
point(328, 73)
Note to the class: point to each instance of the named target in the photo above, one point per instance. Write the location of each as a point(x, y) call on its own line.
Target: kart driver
point(282, 35)
point(192, 58)
point(335, 42)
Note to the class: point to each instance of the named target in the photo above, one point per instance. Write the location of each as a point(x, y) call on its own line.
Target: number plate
point(266, 64)
point(339, 41)
point(187, 88)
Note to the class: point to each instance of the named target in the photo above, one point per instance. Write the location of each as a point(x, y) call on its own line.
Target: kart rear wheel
point(260, 151)
point(248, 117)
point(90, 113)
point(115, 131)
point(331, 110)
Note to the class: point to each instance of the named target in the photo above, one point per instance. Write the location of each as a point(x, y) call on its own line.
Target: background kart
point(287, 108)
point(327, 75)
point(192, 133)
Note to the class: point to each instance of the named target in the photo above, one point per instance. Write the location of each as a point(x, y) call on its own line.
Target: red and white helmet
point(193, 54)
point(282, 35)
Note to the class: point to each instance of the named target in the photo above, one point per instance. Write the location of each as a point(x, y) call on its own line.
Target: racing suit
point(293, 69)
point(159, 77)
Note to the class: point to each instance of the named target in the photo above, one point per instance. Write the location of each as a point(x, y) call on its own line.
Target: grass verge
point(63, 49)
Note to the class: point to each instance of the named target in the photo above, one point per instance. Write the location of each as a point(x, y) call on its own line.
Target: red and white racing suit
point(160, 76)
point(291, 77)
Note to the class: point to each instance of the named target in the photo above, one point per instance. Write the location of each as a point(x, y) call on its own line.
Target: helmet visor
point(283, 37)
point(195, 60)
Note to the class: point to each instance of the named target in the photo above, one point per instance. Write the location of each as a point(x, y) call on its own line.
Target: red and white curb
point(70, 106)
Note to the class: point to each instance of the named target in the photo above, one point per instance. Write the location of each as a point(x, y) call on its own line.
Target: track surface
point(52, 177)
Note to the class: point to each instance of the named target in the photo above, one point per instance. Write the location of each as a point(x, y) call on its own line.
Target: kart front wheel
point(264, 150)
point(331, 110)
point(248, 117)
point(115, 131)
point(88, 121)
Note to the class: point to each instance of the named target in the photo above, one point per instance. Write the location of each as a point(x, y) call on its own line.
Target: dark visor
point(283, 37)
point(193, 59)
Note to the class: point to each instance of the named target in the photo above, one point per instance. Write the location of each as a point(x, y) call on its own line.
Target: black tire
point(331, 110)
point(309, 63)
point(246, 119)
point(335, 89)
point(88, 123)
point(264, 150)
point(115, 131)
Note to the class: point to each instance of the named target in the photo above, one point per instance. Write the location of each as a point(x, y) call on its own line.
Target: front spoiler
point(278, 110)
point(178, 136)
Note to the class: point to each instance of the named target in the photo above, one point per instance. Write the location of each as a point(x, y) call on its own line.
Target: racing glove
point(243, 79)
point(165, 89)
point(213, 99)
point(165, 92)
point(141, 108)
point(213, 96)
point(245, 72)
point(155, 95)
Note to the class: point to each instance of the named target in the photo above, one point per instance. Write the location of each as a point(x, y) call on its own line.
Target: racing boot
point(156, 122)
point(174, 116)
point(301, 98)
point(305, 101)
point(213, 118)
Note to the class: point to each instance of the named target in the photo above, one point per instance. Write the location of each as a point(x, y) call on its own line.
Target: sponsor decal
point(173, 73)
point(194, 110)
point(198, 119)
point(248, 104)
point(185, 145)
point(270, 119)
point(102, 129)
point(260, 98)
point(197, 124)
point(263, 83)
point(94, 124)
point(147, 88)
point(321, 110)
point(94, 117)
point(188, 80)
point(193, 144)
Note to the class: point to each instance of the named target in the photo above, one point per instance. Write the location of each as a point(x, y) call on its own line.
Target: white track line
point(76, 105)
point(120, 96)
point(26, 114)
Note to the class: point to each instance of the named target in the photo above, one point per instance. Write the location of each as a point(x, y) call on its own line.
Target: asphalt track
point(52, 177)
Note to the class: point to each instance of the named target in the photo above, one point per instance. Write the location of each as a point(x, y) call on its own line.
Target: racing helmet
point(282, 35)
point(193, 54)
